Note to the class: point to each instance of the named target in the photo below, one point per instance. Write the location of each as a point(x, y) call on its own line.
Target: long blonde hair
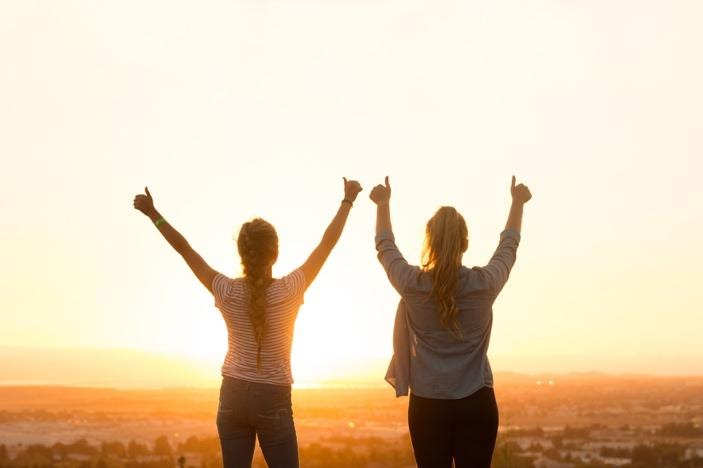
point(258, 248)
point(446, 239)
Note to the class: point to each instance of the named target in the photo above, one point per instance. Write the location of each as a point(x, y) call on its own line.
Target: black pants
point(463, 431)
point(248, 410)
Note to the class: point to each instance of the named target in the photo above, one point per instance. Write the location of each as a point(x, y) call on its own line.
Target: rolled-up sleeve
point(400, 274)
point(503, 259)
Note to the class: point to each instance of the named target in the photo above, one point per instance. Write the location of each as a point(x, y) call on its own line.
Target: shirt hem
point(471, 392)
point(261, 381)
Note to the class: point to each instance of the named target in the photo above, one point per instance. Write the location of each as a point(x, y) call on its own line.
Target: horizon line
point(351, 384)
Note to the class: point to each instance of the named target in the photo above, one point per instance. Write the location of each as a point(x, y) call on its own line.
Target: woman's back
point(474, 298)
point(284, 297)
point(441, 362)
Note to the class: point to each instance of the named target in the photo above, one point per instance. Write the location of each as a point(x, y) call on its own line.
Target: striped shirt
point(283, 299)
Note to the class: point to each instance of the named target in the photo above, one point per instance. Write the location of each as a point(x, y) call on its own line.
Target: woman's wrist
point(153, 215)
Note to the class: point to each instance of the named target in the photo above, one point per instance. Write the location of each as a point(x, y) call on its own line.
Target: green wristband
point(159, 222)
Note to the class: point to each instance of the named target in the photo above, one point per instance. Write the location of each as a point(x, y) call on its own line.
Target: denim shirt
point(428, 358)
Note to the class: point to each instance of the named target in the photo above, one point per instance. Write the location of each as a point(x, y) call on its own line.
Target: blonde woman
point(441, 333)
point(259, 312)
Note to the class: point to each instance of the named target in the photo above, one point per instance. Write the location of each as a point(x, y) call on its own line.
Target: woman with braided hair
point(441, 333)
point(260, 313)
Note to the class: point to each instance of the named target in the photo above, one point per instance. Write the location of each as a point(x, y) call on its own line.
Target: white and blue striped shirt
point(283, 300)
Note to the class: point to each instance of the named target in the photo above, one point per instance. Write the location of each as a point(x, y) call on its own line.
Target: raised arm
point(145, 204)
point(317, 258)
point(503, 259)
point(399, 272)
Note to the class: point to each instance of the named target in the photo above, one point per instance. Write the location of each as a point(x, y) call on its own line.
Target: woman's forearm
point(381, 196)
point(177, 241)
point(334, 230)
point(515, 216)
point(383, 218)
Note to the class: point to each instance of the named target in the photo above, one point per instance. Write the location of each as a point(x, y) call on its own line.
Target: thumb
point(148, 194)
point(512, 186)
point(388, 185)
point(345, 181)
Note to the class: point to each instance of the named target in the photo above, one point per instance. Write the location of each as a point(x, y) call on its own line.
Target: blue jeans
point(249, 410)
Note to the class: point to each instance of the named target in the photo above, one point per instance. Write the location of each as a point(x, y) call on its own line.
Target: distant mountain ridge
point(137, 369)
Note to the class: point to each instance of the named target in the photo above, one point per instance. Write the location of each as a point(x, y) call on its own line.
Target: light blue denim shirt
point(427, 357)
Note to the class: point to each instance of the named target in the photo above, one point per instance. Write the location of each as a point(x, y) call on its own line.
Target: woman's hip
point(478, 408)
point(254, 404)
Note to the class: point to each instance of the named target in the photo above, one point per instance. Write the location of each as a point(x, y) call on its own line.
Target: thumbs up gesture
point(520, 192)
point(144, 203)
point(381, 193)
point(351, 189)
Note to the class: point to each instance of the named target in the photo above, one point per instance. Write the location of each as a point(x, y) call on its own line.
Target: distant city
point(553, 421)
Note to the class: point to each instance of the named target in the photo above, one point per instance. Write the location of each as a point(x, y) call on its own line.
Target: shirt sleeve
point(503, 259)
point(295, 283)
point(400, 273)
point(220, 285)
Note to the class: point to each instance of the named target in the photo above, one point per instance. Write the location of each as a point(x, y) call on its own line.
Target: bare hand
point(351, 189)
point(381, 193)
point(144, 203)
point(520, 192)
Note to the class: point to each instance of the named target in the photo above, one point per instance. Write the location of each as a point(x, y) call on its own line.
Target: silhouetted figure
point(260, 313)
point(441, 333)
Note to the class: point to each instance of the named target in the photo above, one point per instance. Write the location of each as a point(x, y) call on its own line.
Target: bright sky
point(230, 110)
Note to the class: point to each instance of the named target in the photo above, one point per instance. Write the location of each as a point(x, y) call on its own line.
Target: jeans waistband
point(233, 382)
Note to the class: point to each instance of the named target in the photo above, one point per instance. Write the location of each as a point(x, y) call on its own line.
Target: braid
point(258, 249)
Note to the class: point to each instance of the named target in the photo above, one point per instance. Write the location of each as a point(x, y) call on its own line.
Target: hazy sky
point(229, 110)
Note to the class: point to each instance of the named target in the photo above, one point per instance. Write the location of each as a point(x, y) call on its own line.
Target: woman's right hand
point(351, 189)
point(520, 193)
point(381, 193)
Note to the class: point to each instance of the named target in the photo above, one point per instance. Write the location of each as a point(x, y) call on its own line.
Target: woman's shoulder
point(419, 281)
point(293, 283)
point(230, 285)
point(226, 290)
point(473, 278)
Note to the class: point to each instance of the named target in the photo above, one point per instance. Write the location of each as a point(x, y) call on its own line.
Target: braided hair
point(258, 248)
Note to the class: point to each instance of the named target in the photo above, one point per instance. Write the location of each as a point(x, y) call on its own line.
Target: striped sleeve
point(219, 288)
point(295, 284)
